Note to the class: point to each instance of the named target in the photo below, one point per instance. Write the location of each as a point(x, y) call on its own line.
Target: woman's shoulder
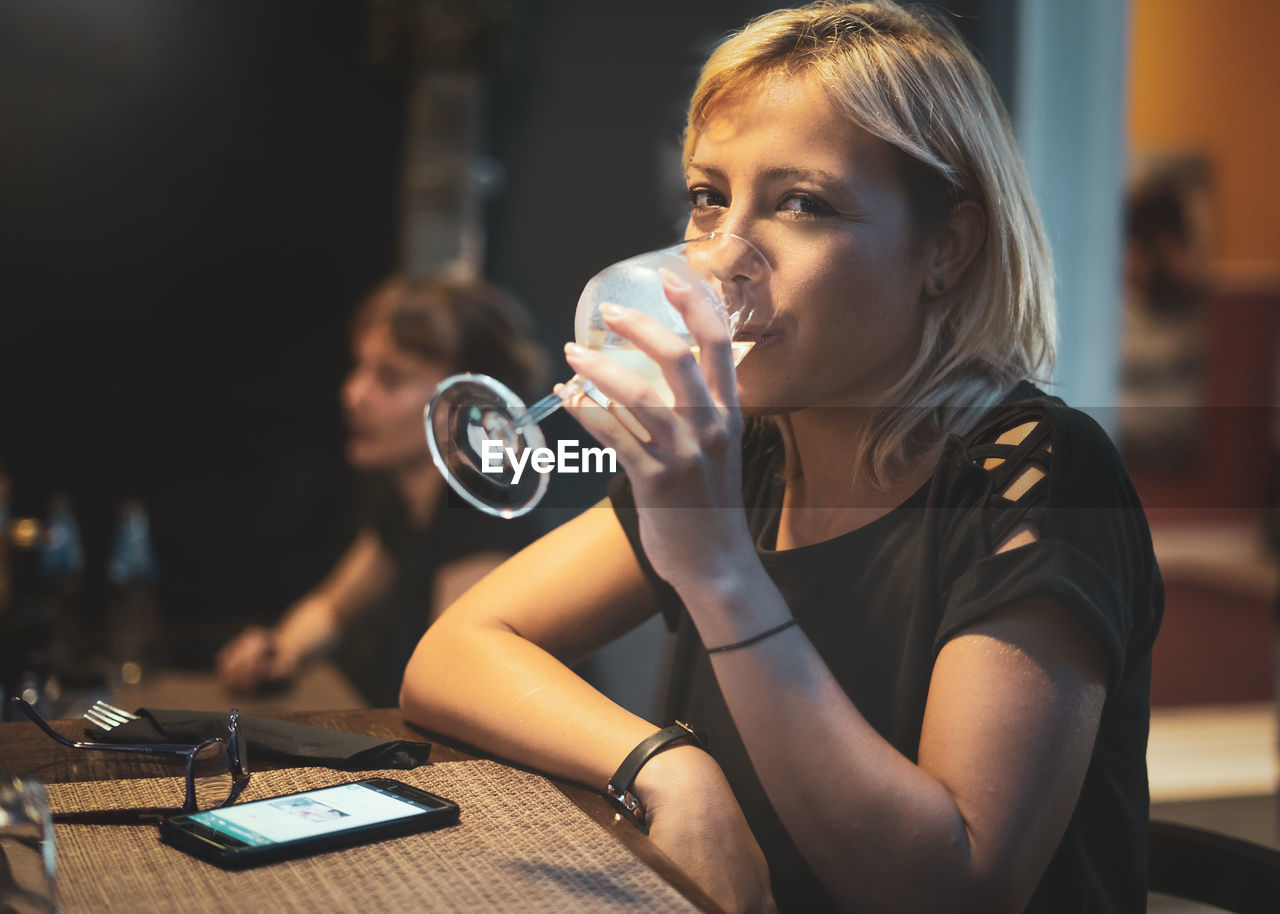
point(1033, 433)
point(1027, 403)
point(1039, 503)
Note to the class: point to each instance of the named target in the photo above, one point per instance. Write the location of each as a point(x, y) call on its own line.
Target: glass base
point(479, 439)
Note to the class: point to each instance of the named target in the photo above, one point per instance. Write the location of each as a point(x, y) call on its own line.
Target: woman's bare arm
point(493, 672)
point(1013, 710)
point(494, 669)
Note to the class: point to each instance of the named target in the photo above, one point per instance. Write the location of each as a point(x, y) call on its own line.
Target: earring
point(939, 285)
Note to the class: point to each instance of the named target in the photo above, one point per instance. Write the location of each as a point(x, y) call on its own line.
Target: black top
point(879, 603)
point(376, 648)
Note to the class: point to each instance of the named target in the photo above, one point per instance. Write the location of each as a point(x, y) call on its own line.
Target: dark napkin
point(278, 741)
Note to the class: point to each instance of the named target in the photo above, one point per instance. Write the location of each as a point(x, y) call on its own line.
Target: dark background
point(194, 195)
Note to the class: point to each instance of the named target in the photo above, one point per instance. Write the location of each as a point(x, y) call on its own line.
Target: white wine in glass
point(632, 359)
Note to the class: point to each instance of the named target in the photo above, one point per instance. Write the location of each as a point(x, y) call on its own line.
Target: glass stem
point(553, 401)
point(540, 410)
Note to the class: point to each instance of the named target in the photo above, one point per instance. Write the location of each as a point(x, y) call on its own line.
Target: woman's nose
point(740, 274)
point(729, 258)
point(352, 390)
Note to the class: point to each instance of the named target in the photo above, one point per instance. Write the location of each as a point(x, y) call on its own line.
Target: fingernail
point(671, 280)
point(573, 350)
point(609, 309)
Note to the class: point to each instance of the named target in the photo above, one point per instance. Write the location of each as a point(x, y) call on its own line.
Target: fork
point(107, 717)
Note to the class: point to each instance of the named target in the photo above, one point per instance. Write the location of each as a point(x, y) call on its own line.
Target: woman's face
point(383, 400)
point(825, 203)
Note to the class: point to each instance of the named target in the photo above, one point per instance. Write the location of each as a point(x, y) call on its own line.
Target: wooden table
point(319, 687)
point(27, 752)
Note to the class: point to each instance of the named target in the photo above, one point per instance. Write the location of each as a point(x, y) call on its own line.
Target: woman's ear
point(953, 246)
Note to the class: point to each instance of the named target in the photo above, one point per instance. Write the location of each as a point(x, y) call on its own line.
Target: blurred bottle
point(58, 613)
point(24, 627)
point(131, 610)
point(61, 557)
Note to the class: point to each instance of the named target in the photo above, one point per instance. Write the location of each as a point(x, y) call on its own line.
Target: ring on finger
point(597, 396)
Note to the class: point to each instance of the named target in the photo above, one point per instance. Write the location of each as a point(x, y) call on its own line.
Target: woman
point(412, 556)
point(918, 642)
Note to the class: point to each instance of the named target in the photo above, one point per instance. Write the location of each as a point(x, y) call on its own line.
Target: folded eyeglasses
point(216, 769)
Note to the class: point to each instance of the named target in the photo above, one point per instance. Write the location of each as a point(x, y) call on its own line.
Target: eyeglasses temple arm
point(236, 743)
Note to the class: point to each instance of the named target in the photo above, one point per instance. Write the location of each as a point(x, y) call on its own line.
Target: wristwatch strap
point(619, 787)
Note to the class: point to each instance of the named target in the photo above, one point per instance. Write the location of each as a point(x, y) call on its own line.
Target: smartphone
point(300, 824)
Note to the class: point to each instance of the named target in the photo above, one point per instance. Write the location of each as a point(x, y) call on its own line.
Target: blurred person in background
point(412, 555)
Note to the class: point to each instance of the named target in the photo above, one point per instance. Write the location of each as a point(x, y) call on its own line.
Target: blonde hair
point(907, 77)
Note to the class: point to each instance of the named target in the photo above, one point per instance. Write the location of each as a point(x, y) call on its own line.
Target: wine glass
point(480, 432)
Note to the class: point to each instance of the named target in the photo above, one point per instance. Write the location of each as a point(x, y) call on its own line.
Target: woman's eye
point(388, 379)
point(805, 205)
point(705, 197)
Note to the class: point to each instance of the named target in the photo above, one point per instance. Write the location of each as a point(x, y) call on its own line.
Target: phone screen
point(310, 814)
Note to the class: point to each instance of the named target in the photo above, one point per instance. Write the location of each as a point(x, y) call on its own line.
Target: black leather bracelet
point(746, 642)
point(619, 788)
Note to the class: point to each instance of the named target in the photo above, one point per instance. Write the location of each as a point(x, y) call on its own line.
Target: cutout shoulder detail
point(1016, 452)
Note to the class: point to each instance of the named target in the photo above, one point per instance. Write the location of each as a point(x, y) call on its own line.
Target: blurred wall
point(1069, 117)
point(1203, 116)
point(1206, 78)
point(192, 197)
point(1202, 108)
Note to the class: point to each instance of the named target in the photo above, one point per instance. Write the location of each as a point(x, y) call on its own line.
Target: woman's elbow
point(418, 698)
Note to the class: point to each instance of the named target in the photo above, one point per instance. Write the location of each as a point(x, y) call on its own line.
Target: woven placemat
point(520, 845)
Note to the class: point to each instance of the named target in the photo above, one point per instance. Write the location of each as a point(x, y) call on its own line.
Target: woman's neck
point(825, 494)
point(419, 485)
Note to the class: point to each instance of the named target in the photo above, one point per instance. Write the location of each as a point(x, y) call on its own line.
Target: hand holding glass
point(473, 418)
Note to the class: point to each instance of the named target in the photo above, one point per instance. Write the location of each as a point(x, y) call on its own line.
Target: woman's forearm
point(489, 687)
point(493, 670)
point(310, 628)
